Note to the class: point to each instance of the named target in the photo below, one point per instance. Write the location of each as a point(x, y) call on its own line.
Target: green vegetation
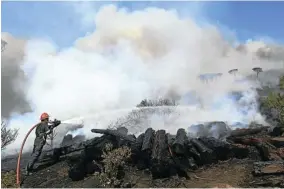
point(275, 102)
point(8, 180)
point(113, 161)
point(281, 82)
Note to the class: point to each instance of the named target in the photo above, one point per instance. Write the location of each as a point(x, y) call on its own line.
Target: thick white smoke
point(136, 55)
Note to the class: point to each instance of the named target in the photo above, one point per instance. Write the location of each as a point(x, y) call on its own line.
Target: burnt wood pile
point(166, 155)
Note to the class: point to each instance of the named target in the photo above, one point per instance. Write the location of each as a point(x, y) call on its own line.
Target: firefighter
point(43, 129)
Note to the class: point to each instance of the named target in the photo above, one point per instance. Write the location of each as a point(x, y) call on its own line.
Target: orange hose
point(20, 154)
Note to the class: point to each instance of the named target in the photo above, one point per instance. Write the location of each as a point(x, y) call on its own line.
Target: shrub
point(275, 102)
point(159, 102)
point(136, 120)
point(8, 180)
point(113, 161)
point(7, 135)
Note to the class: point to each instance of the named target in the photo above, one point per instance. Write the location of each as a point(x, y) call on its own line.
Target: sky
point(248, 20)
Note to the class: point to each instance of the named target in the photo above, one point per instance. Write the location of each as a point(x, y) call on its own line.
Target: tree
point(233, 71)
point(203, 78)
point(209, 76)
point(8, 136)
point(257, 70)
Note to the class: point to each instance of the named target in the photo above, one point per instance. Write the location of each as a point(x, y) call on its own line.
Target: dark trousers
point(38, 145)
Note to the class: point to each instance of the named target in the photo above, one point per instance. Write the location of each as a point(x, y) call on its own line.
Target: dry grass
point(113, 161)
point(63, 172)
point(8, 180)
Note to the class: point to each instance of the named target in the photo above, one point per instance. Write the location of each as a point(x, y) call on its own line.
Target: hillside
point(251, 157)
point(161, 160)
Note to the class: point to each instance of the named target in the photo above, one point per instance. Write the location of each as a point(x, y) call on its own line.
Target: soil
point(230, 173)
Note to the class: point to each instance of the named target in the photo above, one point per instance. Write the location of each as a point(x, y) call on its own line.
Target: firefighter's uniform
point(43, 129)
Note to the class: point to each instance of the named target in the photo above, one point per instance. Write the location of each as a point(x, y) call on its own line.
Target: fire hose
point(20, 154)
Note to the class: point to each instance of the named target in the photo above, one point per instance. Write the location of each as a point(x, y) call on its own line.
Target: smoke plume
point(13, 96)
point(131, 56)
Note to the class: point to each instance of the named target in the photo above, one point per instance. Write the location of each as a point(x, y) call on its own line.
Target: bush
point(138, 118)
point(7, 135)
point(8, 180)
point(113, 161)
point(159, 102)
point(275, 102)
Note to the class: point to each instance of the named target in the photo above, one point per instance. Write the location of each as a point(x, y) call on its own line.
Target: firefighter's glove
point(56, 122)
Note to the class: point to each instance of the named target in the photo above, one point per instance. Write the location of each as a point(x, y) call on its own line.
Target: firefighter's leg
point(35, 156)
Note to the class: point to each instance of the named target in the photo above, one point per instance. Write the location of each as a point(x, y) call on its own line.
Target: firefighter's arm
point(54, 124)
point(49, 128)
point(48, 132)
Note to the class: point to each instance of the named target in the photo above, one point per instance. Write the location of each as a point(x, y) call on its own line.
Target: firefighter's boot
point(28, 170)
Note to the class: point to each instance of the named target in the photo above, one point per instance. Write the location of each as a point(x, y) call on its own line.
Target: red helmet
point(44, 116)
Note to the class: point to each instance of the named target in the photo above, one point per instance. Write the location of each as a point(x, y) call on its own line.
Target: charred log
point(148, 140)
point(206, 154)
point(161, 161)
point(180, 142)
point(219, 129)
point(78, 138)
point(239, 151)
point(243, 132)
point(137, 155)
point(220, 148)
point(192, 151)
point(171, 139)
point(268, 167)
point(266, 150)
point(277, 131)
point(166, 155)
point(116, 133)
point(67, 140)
point(277, 141)
point(191, 164)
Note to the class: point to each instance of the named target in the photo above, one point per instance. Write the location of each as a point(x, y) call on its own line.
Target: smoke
point(13, 78)
point(131, 56)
